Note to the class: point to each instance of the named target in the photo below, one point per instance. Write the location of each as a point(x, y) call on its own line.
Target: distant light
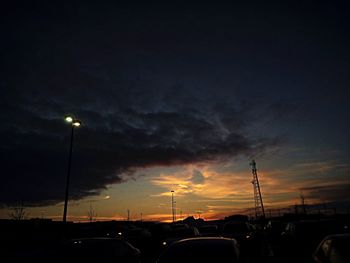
point(247, 236)
point(76, 123)
point(164, 243)
point(120, 233)
point(107, 234)
point(68, 119)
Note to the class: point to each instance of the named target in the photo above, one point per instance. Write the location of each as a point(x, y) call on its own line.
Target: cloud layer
point(131, 132)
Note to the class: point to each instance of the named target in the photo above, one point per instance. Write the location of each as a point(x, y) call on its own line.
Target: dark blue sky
point(166, 84)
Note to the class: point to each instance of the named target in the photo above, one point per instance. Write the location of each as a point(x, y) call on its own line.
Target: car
point(248, 241)
point(202, 249)
point(208, 230)
point(101, 250)
point(309, 233)
point(301, 238)
point(180, 232)
point(333, 249)
point(274, 228)
point(138, 237)
point(241, 231)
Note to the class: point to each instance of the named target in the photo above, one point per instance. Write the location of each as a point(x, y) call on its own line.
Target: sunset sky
point(174, 97)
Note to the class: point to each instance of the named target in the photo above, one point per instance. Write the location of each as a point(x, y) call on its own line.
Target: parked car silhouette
point(180, 232)
point(101, 250)
point(274, 228)
point(241, 231)
point(201, 249)
point(333, 249)
point(208, 230)
point(247, 238)
point(301, 238)
point(138, 237)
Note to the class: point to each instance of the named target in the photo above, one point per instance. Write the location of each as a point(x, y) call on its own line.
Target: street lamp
point(173, 206)
point(74, 124)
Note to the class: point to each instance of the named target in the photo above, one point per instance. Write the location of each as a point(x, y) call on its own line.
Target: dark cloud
point(197, 177)
point(328, 193)
point(109, 145)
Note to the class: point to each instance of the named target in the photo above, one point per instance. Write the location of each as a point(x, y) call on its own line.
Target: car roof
point(96, 239)
point(339, 236)
point(207, 239)
point(202, 249)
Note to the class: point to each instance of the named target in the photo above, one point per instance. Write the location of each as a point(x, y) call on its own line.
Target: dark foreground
point(312, 238)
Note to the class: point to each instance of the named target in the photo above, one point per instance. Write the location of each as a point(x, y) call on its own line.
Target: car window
point(236, 228)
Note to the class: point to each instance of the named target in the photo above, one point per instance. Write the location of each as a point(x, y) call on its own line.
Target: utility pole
point(302, 198)
point(259, 206)
point(128, 215)
point(173, 208)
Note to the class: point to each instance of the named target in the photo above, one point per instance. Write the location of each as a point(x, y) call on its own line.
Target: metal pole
point(68, 176)
point(172, 205)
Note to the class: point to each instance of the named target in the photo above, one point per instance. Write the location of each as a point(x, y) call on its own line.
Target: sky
point(173, 97)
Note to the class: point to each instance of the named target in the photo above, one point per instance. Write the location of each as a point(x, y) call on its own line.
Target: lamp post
point(74, 124)
point(173, 206)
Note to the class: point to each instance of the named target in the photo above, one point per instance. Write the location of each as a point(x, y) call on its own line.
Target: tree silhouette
point(91, 214)
point(18, 212)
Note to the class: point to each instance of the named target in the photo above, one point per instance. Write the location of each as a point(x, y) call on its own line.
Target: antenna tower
point(259, 206)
